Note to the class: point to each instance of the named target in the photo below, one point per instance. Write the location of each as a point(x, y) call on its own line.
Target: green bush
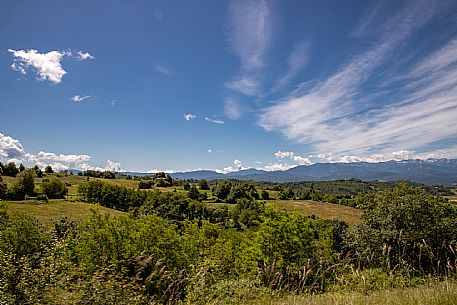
point(54, 189)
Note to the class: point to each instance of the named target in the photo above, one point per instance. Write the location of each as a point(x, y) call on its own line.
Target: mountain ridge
point(430, 171)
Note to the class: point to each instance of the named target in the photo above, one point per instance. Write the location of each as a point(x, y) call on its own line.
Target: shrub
point(42, 197)
point(54, 189)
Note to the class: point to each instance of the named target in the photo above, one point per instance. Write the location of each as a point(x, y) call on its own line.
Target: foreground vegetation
point(233, 245)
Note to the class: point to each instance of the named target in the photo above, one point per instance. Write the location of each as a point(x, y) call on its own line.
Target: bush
point(54, 189)
point(265, 195)
point(405, 228)
point(144, 184)
point(42, 197)
point(203, 184)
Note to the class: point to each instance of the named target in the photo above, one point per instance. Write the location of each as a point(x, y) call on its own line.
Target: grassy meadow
point(48, 212)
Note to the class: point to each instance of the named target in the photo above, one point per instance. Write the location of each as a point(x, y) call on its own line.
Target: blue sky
point(179, 85)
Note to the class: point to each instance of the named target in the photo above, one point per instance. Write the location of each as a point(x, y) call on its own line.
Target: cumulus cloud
point(11, 150)
point(49, 156)
point(291, 155)
point(79, 98)
point(189, 117)
point(46, 65)
point(400, 155)
point(110, 166)
point(277, 167)
point(10, 147)
point(210, 151)
point(214, 121)
point(238, 165)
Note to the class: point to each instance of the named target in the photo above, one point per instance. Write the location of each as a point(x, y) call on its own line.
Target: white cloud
point(79, 98)
point(83, 56)
point(46, 65)
point(113, 103)
point(248, 85)
point(296, 61)
point(214, 121)
point(56, 166)
point(238, 165)
point(210, 151)
point(10, 147)
point(248, 36)
point(284, 154)
point(163, 70)
point(249, 32)
point(333, 115)
point(11, 150)
point(167, 171)
point(277, 167)
point(189, 117)
point(72, 158)
point(233, 109)
point(15, 161)
point(291, 155)
point(111, 166)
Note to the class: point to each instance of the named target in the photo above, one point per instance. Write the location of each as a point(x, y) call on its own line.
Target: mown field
point(320, 209)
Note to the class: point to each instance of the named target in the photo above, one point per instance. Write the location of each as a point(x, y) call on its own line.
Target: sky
point(143, 85)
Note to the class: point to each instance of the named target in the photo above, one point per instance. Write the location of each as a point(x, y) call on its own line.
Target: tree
point(28, 181)
point(38, 171)
point(24, 185)
point(203, 184)
point(11, 170)
point(21, 167)
point(186, 186)
point(222, 189)
point(194, 194)
point(286, 194)
point(144, 184)
point(48, 170)
point(3, 189)
point(265, 195)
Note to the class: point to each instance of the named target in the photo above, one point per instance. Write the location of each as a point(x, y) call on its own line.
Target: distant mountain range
point(431, 171)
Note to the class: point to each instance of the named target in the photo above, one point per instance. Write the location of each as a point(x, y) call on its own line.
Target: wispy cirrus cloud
point(337, 115)
point(214, 121)
point(163, 70)
point(46, 65)
point(234, 109)
point(296, 61)
point(248, 37)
